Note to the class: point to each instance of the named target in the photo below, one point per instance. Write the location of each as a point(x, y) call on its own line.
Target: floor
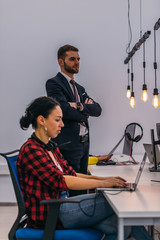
point(9, 213)
point(7, 216)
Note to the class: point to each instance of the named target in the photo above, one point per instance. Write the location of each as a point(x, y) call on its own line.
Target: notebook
point(148, 149)
point(130, 186)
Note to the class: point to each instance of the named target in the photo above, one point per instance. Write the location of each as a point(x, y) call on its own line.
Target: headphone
point(138, 137)
point(50, 146)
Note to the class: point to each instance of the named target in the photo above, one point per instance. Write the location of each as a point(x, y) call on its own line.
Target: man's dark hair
point(62, 51)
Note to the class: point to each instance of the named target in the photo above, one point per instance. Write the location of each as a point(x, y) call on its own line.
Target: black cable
point(144, 63)
point(140, 18)
point(129, 30)
point(118, 191)
point(154, 45)
point(96, 195)
point(128, 71)
point(155, 63)
point(89, 215)
point(132, 76)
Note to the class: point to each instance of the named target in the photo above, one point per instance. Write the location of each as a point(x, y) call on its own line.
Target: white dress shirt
point(83, 129)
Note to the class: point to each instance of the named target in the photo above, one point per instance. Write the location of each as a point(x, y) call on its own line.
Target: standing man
point(76, 106)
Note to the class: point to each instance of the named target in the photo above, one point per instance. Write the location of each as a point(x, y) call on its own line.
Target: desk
point(141, 207)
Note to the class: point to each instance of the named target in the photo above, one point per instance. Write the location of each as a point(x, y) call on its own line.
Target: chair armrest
point(59, 201)
point(53, 213)
point(9, 153)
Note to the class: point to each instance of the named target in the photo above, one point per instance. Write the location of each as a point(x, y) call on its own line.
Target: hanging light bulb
point(155, 102)
point(144, 87)
point(128, 94)
point(144, 96)
point(132, 100)
point(144, 93)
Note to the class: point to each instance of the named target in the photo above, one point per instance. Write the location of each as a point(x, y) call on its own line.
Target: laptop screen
point(140, 169)
point(127, 147)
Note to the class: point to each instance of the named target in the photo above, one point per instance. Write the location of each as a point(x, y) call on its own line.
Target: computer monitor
point(158, 130)
point(156, 168)
point(128, 145)
point(149, 150)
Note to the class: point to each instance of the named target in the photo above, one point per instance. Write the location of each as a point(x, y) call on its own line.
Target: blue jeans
point(94, 211)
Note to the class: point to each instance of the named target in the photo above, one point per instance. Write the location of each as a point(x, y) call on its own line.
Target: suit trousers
point(78, 159)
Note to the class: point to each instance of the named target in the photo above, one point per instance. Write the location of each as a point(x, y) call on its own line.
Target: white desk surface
point(144, 202)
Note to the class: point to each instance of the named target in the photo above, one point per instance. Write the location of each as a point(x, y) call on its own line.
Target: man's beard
point(69, 69)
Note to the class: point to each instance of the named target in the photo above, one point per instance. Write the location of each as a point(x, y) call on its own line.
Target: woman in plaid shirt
point(44, 174)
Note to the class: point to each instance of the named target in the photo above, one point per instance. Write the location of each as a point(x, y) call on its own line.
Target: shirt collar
point(50, 146)
point(69, 78)
point(66, 76)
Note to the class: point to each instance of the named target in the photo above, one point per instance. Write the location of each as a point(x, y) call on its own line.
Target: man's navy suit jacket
point(59, 88)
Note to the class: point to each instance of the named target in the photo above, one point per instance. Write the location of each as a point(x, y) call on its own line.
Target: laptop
point(148, 149)
point(130, 186)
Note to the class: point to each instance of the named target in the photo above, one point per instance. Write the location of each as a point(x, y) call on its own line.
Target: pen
point(155, 181)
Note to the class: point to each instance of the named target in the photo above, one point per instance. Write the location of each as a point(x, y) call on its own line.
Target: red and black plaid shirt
point(40, 179)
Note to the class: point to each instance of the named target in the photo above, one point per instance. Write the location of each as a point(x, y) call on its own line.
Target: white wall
point(31, 31)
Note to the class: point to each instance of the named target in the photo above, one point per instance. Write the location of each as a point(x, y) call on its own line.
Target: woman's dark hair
point(40, 106)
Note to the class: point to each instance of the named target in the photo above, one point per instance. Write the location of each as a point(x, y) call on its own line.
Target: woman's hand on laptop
point(110, 182)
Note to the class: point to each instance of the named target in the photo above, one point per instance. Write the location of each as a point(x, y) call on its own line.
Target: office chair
point(20, 232)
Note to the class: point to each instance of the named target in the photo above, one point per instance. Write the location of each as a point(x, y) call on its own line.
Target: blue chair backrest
point(13, 163)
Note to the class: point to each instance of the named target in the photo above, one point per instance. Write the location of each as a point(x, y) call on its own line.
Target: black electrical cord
point(132, 75)
point(129, 30)
point(140, 18)
point(128, 71)
point(144, 63)
point(155, 63)
point(94, 207)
